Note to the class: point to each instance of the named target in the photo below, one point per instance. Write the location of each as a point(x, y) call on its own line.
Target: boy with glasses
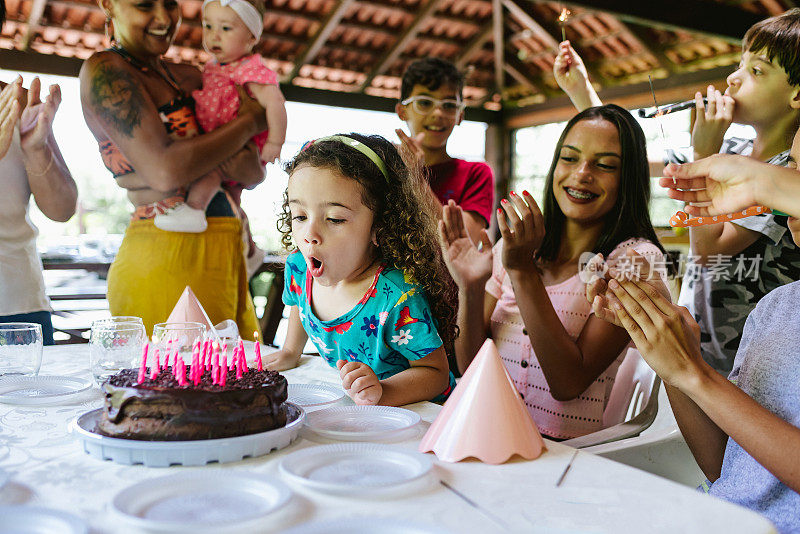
point(431, 105)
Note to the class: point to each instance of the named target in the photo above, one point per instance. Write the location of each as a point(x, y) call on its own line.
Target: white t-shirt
point(21, 281)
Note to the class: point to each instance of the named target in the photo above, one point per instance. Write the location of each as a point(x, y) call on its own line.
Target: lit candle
point(259, 365)
point(143, 367)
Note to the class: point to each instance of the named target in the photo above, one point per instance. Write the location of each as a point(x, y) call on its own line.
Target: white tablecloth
point(48, 467)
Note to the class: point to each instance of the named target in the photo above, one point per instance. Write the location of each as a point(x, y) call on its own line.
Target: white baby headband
point(246, 12)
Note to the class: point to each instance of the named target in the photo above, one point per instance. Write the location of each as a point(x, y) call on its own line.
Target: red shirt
point(469, 183)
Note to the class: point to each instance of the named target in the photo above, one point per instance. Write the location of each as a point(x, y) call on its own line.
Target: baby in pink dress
point(231, 28)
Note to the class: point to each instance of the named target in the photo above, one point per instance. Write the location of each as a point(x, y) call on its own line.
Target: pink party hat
point(484, 417)
point(189, 310)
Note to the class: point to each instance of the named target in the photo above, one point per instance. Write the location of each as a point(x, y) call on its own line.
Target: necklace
point(163, 73)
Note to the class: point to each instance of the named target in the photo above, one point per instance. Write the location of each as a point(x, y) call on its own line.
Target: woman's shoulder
point(105, 58)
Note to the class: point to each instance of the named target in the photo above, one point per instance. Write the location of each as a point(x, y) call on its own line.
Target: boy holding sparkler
point(734, 264)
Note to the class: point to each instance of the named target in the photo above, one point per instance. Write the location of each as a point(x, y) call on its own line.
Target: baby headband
point(354, 143)
point(246, 12)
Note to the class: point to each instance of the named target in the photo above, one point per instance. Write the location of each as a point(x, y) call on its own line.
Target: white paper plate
point(365, 525)
point(4, 476)
point(314, 395)
point(353, 468)
point(200, 501)
point(361, 423)
point(40, 389)
point(199, 452)
point(37, 520)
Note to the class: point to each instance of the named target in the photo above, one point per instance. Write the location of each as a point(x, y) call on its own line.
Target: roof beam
point(326, 28)
point(648, 45)
point(499, 49)
point(710, 18)
point(37, 10)
point(475, 45)
point(402, 42)
point(525, 16)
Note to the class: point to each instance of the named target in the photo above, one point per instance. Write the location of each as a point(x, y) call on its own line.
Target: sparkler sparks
point(562, 21)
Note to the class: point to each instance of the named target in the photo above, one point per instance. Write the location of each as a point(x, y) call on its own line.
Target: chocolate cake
point(161, 409)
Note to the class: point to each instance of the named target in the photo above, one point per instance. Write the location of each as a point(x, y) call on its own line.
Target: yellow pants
point(153, 267)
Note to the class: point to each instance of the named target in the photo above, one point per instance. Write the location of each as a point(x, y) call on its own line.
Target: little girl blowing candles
point(367, 283)
point(231, 28)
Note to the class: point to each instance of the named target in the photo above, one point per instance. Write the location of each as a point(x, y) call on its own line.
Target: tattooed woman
point(140, 111)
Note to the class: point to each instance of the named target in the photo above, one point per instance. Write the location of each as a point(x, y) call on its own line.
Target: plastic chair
point(632, 405)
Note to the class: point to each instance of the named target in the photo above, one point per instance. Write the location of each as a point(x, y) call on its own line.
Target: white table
point(49, 468)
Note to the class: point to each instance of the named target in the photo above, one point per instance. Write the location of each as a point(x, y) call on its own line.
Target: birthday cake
point(159, 408)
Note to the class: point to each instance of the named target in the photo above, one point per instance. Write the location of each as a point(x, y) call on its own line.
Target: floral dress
point(390, 326)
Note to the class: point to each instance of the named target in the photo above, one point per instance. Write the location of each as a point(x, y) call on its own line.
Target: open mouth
point(315, 266)
point(159, 33)
point(435, 128)
point(579, 194)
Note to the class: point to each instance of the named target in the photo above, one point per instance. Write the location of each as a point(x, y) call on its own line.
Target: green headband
point(361, 147)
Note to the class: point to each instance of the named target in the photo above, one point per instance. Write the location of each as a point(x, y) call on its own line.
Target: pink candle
point(242, 355)
point(168, 353)
point(206, 361)
point(143, 367)
point(223, 371)
point(181, 372)
point(154, 369)
point(158, 359)
point(259, 365)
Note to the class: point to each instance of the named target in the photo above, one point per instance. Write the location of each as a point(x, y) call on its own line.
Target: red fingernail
point(525, 192)
point(513, 194)
point(499, 211)
point(504, 201)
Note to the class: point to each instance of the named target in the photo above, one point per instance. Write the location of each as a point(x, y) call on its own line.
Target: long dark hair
point(404, 217)
point(629, 218)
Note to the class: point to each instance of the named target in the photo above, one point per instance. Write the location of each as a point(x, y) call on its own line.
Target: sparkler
point(671, 108)
point(657, 115)
point(562, 20)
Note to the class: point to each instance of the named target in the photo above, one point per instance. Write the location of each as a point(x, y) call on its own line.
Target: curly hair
point(404, 218)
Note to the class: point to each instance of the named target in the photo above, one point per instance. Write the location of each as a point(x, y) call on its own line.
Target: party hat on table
point(189, 310)
point(484, 417)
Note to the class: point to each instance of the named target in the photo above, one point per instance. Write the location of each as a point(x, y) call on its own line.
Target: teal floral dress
point(390, 326)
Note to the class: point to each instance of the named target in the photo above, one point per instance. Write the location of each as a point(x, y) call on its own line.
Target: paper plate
point(40, 389)
point(200, 501)
point(314, 395)
point(198, 452)
point(361, 423)
point(365, 525)
point(354, 468)
point(34, 519)
point(4, 476)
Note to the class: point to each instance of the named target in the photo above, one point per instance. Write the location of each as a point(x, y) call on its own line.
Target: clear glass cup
point(119, 319)
point(114, 346)
point(20, 348)
point(172, 338)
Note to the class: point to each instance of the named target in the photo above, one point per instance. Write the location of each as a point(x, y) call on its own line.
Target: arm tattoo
point(117, 99)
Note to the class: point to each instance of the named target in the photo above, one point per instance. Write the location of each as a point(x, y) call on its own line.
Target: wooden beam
point(402, 42)
point(697, 16)
point(639, 33)
point(497, 37)
point(475, 45)
point(672, 89)
point(35, 17)
point(525, 15)
point(326, 28)
point(518, 70)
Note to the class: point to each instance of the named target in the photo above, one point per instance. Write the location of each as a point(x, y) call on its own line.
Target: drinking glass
point(20, 348)
point(119, 319)
point(113, 346)
point(176, 338)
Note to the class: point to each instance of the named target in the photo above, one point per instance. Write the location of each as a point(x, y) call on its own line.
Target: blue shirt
point(390, 326)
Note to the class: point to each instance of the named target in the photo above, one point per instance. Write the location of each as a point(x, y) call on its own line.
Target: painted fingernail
point(512, 193)
point(525, 192)
point(499, 211)
point(504, 201)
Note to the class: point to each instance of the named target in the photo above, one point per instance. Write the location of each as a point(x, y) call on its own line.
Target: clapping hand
point(411, 148)
point(468, 264)
point(522, 229)
point(360, 382)
point(597, 276)
point(9, 113)
point(36, 121)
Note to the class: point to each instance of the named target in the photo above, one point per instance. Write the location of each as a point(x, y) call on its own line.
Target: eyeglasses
point(425, 105)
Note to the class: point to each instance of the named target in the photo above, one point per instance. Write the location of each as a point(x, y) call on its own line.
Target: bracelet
point(50, 164)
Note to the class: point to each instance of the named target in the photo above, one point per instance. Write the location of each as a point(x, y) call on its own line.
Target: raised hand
point(9, 113)
point(722, 183)
point(571, 75)
point(360, 382)
point(411, 148)
point(713, 120)
point(36, 120)
point(270, 152)
point(522, 229)
point(468, 264)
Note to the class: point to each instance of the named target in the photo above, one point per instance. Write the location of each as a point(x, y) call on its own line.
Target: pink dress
point(557, 419)
point(218, 101)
